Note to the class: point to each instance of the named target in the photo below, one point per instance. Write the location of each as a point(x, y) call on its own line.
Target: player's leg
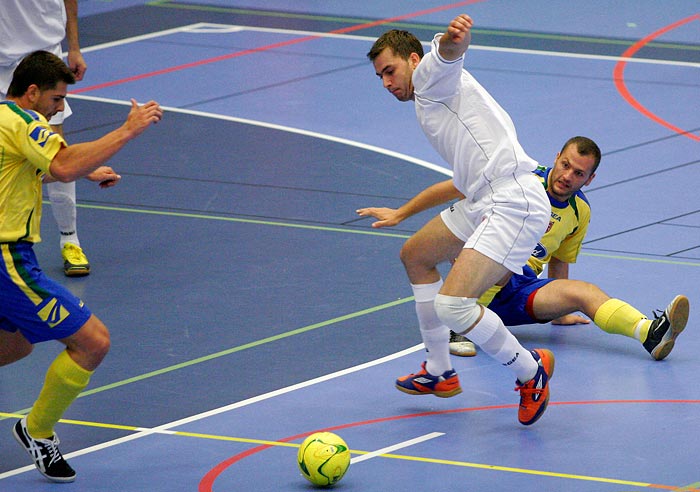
point(614, 316)
point(63, 208)
point(44, 310)
point(66, 378)
point(68, 375)
point(563, 296)
point(518, 212)
point(431, 245)
point(13, 347)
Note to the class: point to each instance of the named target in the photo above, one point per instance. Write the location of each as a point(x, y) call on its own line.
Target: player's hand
point(571, 319)
point(141, 117)
point(456, 40)
point(387, 217)
point(105, 175)
point(77, 64)
point(460, 28)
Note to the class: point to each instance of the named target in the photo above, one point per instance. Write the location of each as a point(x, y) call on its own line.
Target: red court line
point(207, 482)
point(271, 47)
point(619, 76)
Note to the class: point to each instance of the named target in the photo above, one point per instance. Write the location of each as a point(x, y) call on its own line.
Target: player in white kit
point(27, 26)
point(489, 235)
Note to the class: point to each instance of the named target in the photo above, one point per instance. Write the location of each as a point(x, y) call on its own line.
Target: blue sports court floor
point(249, 306)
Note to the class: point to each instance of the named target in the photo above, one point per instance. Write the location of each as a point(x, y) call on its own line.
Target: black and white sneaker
point(45, 453)
point(461, 345)
point(666, 327)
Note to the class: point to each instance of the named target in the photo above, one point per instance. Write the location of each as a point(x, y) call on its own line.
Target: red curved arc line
point(619, 76)
point(269, 47)
point(207, 482)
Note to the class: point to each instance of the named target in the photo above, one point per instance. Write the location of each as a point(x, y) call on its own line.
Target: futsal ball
point(323, 458)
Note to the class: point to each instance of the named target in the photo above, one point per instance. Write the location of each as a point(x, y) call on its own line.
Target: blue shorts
point(40, 308)
point(513, 304)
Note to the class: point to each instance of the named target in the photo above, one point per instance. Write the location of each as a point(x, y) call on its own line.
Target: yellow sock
point(64, 381)
point(619, 318)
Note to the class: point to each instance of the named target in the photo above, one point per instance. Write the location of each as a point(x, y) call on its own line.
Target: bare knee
point(90, 344)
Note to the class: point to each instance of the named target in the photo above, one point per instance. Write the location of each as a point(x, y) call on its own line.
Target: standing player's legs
point(42, 310)
point(511, 216)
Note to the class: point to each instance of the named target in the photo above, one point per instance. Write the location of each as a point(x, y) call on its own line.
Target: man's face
point(50, 101)
point(570, 173)
point(396, 73)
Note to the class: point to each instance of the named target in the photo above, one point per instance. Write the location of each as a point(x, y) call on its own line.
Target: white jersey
point(30, 25)
point(465, 124)
point(27, 26)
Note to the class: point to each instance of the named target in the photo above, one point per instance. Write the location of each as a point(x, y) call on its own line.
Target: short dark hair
point(585, 146)
point(41, 68)
point(402, 43)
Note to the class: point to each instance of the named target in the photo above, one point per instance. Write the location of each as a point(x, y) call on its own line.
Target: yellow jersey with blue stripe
point(563, 239)
point(27, 147)
point(567, 227)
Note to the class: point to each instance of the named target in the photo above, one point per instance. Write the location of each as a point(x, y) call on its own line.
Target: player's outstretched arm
point(78, 160)
point(432, 196)
point(456, 40)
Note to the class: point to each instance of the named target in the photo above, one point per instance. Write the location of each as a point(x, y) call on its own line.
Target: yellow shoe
point(75, 263)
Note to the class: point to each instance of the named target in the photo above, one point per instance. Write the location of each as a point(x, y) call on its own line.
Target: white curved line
point(289, 129)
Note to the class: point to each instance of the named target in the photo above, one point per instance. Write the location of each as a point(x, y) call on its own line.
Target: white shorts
point(6, 72)
point(504, 221)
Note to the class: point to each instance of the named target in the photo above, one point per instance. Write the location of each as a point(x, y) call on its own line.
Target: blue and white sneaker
point(424, 383)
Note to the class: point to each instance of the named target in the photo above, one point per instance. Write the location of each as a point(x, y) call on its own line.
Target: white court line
point(273, 126)
point(165, 428)
point(401, 445)
point(213, 28)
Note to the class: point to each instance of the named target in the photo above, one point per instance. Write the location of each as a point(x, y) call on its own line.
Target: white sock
point(435, 335)
point(494, 338)
point(62, 197)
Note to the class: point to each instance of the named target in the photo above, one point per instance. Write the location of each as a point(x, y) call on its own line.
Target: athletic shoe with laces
point(534, 394)
point(75, 263)
point(424, 383)
point(47, 458)
point(666, 327)
point(461, 345)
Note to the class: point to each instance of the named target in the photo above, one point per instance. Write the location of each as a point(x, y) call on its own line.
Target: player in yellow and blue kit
point(34, 308)
point(526, 298)
point(562, 240)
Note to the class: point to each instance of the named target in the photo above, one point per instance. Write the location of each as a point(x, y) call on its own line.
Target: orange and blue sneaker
point(424, 383)
point(534, 394)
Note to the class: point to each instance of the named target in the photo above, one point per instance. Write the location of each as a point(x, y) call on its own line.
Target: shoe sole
point(19, 439)
point(77, 272)
point(678, 317)
point(462, 349)
point(439, 394)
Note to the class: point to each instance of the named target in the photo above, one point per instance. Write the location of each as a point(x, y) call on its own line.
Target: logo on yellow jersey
point(40, 135)
point(53, 313)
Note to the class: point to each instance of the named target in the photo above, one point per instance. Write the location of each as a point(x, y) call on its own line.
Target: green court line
point(405, 25)
point(343, 230)
point(233, 350)
point(647, 260)
point(240, 220)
